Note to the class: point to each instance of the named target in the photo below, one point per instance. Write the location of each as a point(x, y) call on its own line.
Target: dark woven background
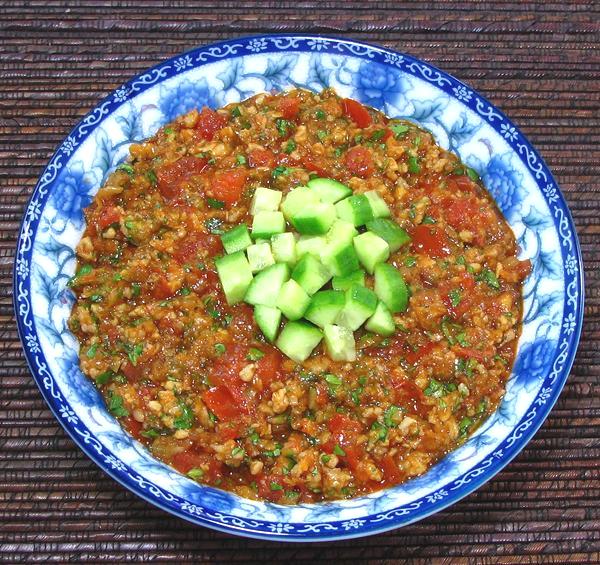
point(537, 61)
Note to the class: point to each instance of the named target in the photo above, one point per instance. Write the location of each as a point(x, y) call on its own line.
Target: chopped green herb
point(381, 430)
point(320, 115)
point(321, 134)
point(134, 352)
point(413, 165)
point(115, 405)
point(195, 473)
point(358, 138)
point(103, 378)
point(126, 168)
point(472, 174)
point(428, 220)
point(417, 141)
point(389, 414)
point(333, 380)
point(273, 452)
point(461, 338)
point(241, 160)
point(96, 298)
point(500, 359)
point(185, 291)
point(186, 420)
point(238, 451)
point(399, 130)
point(136, 289)
point(412, 213)
point(283, 126)
point(464, 425)
point(280, 170)
point(91, 352)
point(338, 151)
point(275, 486)
point(339, 451)
point(236, 112)
point(214, 203)
point(325, 458)
point(290, 146)
point(455, 297)
point(410, 261)
point(254, 437)
point(150, 433)
point(85, 270)
point(220, 348)
point(214, 226)
point(482, 406)
point(254, 354)
point(169, 131)
point(151, 175)
point(489, 277)
point(378, 134)
point(434, 388)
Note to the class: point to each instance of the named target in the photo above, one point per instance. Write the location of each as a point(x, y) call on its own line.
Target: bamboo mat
point(537, 61)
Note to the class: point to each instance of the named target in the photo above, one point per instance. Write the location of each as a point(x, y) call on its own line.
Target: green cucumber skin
point(381, 322)
point(268, 320)
point(324, 307)
point(292, 300)
point(236, 239)
point(390, 231)
point(329, 190)
point(264, 291)
point(344, 283)
point(391, 288)
point(235, 275)
point(310, 274)
point(298, 340)
point(339, 342)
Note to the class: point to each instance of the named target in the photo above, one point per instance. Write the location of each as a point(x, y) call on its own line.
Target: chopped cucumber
point(344, 283)
point(360, 304)
point(292, 300)
point(340, 343)
point(310, 274)
point(315, 219)
point(329, 190)
point(266, 285)
point(297, 200)
point(312, 244)
point(236, 239)
point(266, 224)
point(265, 200)
point(340, 258)
point(325, 307)
point(355, 209)
point(259, 256)
point(268, 320)
point(371, 250)
point(381, 322)
point(298, 339)
point(341, 232)
point(389, 230)
point(235, 276)
point(378, 205)
point(284, 248)
point(391, 288)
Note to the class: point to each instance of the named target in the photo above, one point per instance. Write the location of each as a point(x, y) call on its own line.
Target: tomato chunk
point(221, 402)
point(228, 186)
point(197, 244)
point(392, 474)
point(171, 177)
point(261, 158)
point(209, 123)
point(431, 241)
point(359, 161)
point(310, 164)
point(290, 107)
point(356, 112)
point(268, 367)
point(109, 215)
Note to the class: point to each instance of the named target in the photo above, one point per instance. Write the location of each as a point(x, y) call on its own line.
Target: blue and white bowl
point(400, 86)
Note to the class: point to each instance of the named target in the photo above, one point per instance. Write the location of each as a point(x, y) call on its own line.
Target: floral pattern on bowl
point(397, 84)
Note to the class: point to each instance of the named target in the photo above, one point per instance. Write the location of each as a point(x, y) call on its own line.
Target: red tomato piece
point(290, 106)
point(462, 213)
point(392, 474)
point(133, 426)
point(261, 158)
point(132, 372)
point(359, 161)
point(269, 367)
point(356, 112)
point(187, 460)
point(344, 426)
point(410, 396)
point(431, 241)
point(170, 177)
point(196, 244)
point(456, 183)
point(108, 216)
point(413, 356)
point(161, 289)
point(310, 164)
point(209, 123)
point(229, 430)
point(221, 402)
point(228, 186)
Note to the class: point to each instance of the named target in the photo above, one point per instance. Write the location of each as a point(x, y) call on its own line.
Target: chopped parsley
point(214, 225)
point(220, 348)
point(195, 473)
point(134, 352)
point(91, 352)
point(413, 165)
point(214, 203)
point(290, 146)
point(280, 170)
point(186, 420)
point(399, 130)
point(115, 405)
point(455, 297)
point(320, 115)
point(378, 134)
point(126, 168)
point(254, 354)
point(241, 160)
point(151, 175)
point(489, 277)
point(236, 112)
point(339, 451)
point(283, 126)
point(275, 486)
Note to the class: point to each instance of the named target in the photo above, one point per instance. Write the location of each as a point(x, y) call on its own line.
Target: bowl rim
point(425, 69)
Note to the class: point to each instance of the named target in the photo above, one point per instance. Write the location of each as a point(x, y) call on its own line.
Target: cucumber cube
point(259, 256)
point(389, 230)
point(236, 239)
point(310, 274)
point(378, 205)
point(344, 283)
point(235, 276)
point(314, 220)
point(325, 307)
point(360, 304)
point(297, 200)
point(266, 285)
point(298, 339)
point(355, 209)
point(268, 320)
point(292, 300)
point(265, 200)
point(329, 190)
point(312, 244)
point(341, 232)
point(391, 288)
point(340, 343)
point(381, 322)
point(340, 259)
point(371, 250)
point(283, 246)
point(267, 224)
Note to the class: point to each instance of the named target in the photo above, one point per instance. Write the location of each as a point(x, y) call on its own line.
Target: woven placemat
point(537, 61)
